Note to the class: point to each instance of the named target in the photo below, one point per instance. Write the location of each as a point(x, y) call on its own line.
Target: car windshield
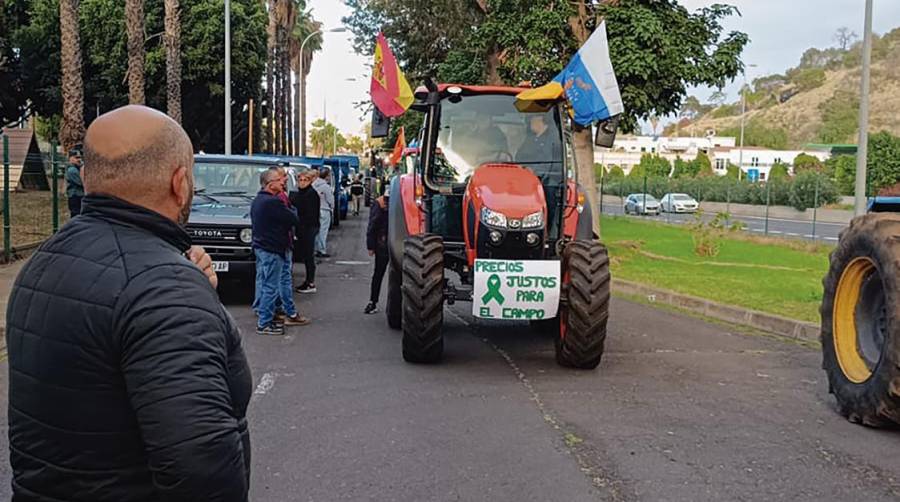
point(214, 178)
point(476, 130)
point(641, 198)
point(682, 197)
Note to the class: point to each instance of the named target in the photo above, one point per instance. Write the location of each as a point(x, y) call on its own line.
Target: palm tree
point(134, 25)
point(270, 78)
point(173, 59)
point(304, 26)
point(285, 71)
point(71, 131)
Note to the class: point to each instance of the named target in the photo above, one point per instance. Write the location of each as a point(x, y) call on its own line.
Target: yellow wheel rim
point(846, 339)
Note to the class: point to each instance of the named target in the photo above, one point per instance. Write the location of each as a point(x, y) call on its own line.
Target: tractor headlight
point(533, 220)
point(246, 235)
point(532, 238)
point(493, 218)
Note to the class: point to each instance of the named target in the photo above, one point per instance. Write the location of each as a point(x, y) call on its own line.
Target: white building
point(628, 150)
point(759, 159)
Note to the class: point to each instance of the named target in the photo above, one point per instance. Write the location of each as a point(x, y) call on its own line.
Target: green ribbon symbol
point(493, 292)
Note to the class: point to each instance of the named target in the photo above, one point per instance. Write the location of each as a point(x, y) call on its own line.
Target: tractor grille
point(512, 247)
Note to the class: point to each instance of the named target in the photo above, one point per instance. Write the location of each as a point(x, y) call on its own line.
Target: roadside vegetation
point(783, 278)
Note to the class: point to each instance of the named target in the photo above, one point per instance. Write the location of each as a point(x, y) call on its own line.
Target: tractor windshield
point(487, 128)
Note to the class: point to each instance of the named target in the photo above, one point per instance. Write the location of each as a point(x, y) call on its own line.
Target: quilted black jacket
point(127, 380)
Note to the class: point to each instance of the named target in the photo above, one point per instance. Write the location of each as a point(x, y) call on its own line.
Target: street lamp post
point(227, 77)
point(340, 29)
point(743, 111)
point(863, 148)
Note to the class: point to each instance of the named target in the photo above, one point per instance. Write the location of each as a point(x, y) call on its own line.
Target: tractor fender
point(404, 216)
point(578, 225)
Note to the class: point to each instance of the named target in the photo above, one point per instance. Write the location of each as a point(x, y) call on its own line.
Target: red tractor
point(494, 215)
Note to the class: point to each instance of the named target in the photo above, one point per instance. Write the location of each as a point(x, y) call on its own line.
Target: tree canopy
point(105, 63)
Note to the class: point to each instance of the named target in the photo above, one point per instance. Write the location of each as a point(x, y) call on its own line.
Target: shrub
point(615, 172)
point(844, 167)
point(808, 185)
point(779, 171)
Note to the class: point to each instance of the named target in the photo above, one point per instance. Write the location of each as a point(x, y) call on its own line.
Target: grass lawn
point(31, 216)
point(783, 278)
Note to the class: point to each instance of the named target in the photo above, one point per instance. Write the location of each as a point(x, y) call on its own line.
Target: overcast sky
point(779, 30)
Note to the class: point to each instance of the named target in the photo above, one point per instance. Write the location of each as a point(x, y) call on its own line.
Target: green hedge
point(798, 192)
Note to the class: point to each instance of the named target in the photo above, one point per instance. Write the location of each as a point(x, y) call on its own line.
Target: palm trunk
point(583, 142)
point(279, 92)
point(286, 76)
point(173, 59)
point(297, 108)
point(270, 81)
point(134, 25)
point(71, 130)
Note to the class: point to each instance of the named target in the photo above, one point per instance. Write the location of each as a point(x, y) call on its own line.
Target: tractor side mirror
point(381, 125)
point(606, 132)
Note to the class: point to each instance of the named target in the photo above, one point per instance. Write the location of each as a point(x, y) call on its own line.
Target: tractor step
point(453, 294)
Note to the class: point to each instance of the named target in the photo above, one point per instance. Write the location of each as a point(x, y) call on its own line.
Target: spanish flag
point(397, 154)
point(389, 90)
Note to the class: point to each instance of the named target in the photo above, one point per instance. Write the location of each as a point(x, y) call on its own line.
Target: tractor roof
point(471, 90)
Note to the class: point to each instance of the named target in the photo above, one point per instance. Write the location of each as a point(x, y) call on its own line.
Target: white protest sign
point(516, 289)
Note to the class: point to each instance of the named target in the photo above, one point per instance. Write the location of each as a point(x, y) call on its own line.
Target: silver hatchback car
point(641, 203)
point(678, 203)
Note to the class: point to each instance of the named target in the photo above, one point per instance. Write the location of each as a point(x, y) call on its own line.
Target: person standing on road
point(357, 190)
point(271, 223)
point(74, 185)
point(326, 210)
point(376, 243)
point(127, 380)
point(306, 201)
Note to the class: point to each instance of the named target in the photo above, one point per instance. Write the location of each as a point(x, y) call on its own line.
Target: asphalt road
point(678, 410)
point(792, 229)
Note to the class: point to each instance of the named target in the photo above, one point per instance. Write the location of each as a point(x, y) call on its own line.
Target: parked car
point(224, 188)
point(678, 203)
point(641, 203)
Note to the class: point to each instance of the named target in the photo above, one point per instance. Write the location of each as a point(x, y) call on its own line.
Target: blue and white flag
point(590, 83)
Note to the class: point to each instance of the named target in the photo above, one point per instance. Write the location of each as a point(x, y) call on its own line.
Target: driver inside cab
point(541, 143)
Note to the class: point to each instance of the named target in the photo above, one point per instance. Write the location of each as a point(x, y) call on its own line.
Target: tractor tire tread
point(588, 294)
point(423, 298)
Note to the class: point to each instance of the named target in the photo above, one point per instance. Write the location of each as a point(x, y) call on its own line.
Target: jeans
point(324, 224)
point(306, 243)
point(269, 268)
point(287, 286)
point(381, 264)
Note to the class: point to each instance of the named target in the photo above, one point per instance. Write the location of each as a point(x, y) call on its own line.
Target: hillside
point(826, 110)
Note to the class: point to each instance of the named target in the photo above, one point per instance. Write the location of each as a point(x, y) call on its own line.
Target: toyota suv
point(224, 188)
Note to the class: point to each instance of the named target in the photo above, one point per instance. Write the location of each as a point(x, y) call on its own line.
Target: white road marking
point(776, 232)
point(265, 383)
point(791, 233)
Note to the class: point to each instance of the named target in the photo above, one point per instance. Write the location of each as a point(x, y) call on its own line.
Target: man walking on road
point(357, 190)
point(306, 201)
point(376, 243)
point(272, 222)
point(127, 380)
point(74, 186)
point(326, 210)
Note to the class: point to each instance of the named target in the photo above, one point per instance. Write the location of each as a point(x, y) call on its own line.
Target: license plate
point(220, 266)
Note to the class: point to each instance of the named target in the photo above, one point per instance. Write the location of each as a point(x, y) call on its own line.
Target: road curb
point(770, 323)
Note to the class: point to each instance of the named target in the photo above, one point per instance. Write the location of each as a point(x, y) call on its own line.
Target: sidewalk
point(8, 275)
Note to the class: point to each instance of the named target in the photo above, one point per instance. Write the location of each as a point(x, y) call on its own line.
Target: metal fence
point(796, 208)
point(31, 215)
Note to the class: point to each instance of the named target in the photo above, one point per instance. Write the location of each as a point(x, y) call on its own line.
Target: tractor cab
point(494, 199)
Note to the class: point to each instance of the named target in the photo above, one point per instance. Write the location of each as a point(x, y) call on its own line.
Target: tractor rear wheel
point(423, 298)
point(861, 321)
point(583, 318)
point(394, 310)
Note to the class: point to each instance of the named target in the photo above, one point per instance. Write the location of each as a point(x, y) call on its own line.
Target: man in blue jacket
point(74, 186)
point(272, 222)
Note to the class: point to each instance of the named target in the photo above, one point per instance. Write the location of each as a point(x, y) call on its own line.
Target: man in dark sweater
point(376, 243)
point(306, 201)
point(272, 222)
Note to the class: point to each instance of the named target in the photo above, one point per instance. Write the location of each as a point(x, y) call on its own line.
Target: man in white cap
point(376, 243)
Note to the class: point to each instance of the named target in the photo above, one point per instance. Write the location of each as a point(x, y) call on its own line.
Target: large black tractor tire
point(861, 321)
point(583, 317)
point(423, 298)
point(394, 310)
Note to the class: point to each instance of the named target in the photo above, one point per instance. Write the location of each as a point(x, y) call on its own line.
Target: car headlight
point(533, 220)
point(246, 235)
point(493, 218)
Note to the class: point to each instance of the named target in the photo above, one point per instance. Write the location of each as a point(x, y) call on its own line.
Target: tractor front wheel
point(394, 310)
point(423, 298)
point(583, 317)
point(860, 331)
